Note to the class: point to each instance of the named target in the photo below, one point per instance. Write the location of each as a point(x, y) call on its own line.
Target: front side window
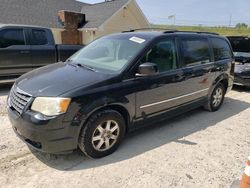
point(195, 51)
point(39, 37)
point(163, 55)
point(109, 54)
point(221, 49)
point(10, 37)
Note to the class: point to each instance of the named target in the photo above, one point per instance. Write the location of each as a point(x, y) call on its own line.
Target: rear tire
point(102, 134)
point(216, 98)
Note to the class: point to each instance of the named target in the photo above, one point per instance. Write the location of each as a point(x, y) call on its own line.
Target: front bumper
point(50, 136)
point(242, 80)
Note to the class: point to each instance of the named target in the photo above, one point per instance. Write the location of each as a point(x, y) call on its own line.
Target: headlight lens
point(50, 106)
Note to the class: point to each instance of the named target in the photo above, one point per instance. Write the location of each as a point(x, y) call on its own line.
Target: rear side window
point(39, 37)
point(10, 37)
point(221, 49)
point(195, 51)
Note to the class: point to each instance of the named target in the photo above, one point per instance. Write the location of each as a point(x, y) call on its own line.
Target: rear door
point(198, 65)
point(15, 57)
point(43, 50)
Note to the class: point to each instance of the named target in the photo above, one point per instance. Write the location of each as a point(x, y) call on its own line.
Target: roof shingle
point(36, 12)
point(44, 12)
point(97, 14)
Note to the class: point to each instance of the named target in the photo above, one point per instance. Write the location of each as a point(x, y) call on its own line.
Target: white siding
point(129, 17)
point(57, 35)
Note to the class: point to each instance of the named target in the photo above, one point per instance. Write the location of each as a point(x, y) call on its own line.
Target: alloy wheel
point(217, 97)
point(105, 135)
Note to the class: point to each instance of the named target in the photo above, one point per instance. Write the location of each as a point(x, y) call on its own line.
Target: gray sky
point(195, 12)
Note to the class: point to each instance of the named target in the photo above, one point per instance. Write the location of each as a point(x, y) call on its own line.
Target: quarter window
point(164, 55)
point(221, 49)
point(195, 51)
point(11, 37)
point(39, 37)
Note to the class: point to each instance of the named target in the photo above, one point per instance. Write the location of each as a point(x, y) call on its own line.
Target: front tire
point(216, 98)
point(102, 134)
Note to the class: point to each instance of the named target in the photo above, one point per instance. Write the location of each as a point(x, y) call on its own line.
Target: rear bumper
point(49, 136)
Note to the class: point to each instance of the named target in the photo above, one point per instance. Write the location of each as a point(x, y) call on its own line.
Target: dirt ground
point(198, 149)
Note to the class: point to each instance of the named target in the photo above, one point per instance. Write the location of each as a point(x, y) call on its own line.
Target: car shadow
point(5, 89)
point(149, 138)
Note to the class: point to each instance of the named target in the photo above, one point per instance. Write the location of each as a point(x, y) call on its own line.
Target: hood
point(58, 78)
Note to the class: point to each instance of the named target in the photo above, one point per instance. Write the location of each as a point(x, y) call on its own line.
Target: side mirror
point(147, 69)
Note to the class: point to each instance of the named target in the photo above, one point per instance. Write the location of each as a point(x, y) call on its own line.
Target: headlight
point(50, 106)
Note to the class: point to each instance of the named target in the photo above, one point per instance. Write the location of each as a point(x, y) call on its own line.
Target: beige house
point(126, 16)
point(80, 23)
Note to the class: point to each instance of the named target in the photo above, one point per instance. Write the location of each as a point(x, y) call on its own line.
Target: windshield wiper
point(72, 64)
point(86, 67)
point(69, 61)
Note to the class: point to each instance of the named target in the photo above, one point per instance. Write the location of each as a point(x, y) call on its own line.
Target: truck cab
point(24, 48)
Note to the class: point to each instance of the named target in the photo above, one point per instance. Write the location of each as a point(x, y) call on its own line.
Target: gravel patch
point(197, 149)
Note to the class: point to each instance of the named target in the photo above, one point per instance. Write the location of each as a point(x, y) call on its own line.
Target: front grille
point(18, 100)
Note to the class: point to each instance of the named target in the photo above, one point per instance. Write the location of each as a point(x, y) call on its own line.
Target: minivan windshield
point(109, 54)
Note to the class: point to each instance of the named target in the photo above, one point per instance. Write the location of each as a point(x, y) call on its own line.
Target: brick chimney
point(71, 21)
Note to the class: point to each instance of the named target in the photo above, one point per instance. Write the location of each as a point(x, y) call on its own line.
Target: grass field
point(225, 31)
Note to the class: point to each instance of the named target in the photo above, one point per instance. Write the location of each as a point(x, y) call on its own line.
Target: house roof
point(45, 12)
point(97, 14)
point(36, 12)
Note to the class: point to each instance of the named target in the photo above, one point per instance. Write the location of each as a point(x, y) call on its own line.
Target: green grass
point(225, 31)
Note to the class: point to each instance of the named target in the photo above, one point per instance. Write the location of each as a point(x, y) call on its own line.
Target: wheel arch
point(116, 107)
point(224, 79)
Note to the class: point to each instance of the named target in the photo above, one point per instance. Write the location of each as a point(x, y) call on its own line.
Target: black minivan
point(116, 84)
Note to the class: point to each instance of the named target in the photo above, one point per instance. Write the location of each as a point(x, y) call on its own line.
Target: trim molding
point(172, 99)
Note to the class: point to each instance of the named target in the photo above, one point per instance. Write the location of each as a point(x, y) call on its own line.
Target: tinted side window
point(39, 37)
point(11, 37)
point(195, 51)
point(221, 49)
point(164, 55)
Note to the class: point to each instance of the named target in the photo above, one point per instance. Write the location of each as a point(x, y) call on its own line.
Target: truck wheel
point(216, 98)
point(102, 134)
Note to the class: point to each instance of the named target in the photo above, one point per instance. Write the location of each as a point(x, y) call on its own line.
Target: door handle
point(178, 77)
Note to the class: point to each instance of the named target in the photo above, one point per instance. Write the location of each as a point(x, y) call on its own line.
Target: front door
point(15, 57)
point(159, 92)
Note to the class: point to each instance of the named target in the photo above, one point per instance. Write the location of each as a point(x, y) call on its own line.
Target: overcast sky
point(195, 12)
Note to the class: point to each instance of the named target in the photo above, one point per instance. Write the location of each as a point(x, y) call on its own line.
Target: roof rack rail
point(143, 29)
point(198, 32)
point(170, 31)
